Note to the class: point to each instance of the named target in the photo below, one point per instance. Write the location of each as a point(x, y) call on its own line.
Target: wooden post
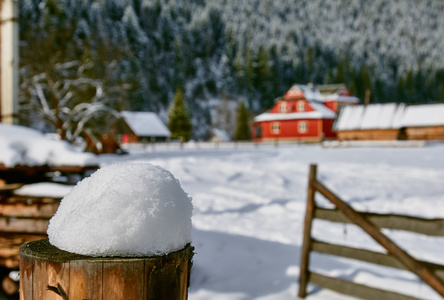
point(367, 97)
point(9, 60)
point(47, 272)
point(306, 242)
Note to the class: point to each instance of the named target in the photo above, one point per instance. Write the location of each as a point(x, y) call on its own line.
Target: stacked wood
point(25, 218)
point(27, 174)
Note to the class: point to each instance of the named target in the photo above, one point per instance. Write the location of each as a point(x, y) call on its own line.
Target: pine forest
point(136, 54)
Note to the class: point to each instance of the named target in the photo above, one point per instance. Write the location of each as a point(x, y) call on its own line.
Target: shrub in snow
point(126, 209)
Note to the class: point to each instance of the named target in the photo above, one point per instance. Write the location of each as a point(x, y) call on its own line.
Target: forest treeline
point(135, 54)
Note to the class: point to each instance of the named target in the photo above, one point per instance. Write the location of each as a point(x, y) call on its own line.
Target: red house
point(302, 114)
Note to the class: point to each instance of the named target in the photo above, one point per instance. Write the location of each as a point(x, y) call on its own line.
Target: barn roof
point(423, 115)
point(389, 116)
point(145, 124)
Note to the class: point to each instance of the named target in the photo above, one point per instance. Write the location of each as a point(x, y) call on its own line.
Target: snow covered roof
point(220, 134)
point(145, 123)
point(389, 116)
point(309, 92)
point(382, 116)
point(336, 92)
point(340, 98)
point(21, 145)
point(312, 95)
point(321, 112)
point(423, 115)
point(321, 93)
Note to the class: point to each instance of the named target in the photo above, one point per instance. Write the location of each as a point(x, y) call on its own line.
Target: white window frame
point(302, 127)
point(275, 128)
point(301, 106)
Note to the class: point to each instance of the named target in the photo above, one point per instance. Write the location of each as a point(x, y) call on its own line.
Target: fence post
point(306, 242)
point(49, 273)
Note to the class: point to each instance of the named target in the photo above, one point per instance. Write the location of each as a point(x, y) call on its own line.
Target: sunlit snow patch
point(127, 209)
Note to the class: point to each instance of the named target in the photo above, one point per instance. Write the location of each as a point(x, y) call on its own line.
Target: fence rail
point(431, 274)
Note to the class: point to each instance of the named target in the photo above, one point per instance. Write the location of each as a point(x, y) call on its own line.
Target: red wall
point(292, 106)
point(327, 128)
point(289, 130)
point(333, 105)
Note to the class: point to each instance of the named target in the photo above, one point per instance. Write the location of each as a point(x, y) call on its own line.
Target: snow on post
point(123, 233)
point(127, 209)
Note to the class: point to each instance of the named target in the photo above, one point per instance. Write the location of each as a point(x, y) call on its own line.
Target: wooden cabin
point(391, 121)
point(424, 122)
point(372, 122)
point(300, 115)
point(136, 126)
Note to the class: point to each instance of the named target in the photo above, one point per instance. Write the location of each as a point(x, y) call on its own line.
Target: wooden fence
point(431, 274)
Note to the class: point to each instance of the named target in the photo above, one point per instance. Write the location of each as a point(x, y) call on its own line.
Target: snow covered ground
point(249, 205)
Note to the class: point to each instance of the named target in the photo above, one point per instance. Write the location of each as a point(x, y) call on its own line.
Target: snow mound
point(125, 209)
point(20, 145)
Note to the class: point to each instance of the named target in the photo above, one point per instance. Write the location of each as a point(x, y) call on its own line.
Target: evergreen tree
point(179, 119)
point(243, 127)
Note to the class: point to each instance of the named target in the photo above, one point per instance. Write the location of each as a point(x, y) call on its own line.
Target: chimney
point(9, 60)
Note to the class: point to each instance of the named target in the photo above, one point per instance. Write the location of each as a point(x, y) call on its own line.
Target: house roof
point(321, 112)
point(336, 92)
point(321, 93)
point(145, 123)
point(309, 92)
point(389, 116)
point(299, 91)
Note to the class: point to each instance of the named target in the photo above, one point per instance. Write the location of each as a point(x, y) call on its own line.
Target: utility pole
point(9, 54)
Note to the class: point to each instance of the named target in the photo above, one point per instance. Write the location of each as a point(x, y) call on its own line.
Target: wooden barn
point(136, 126)
point(300, 115)
point(371, 122)
point(423, 122)
point(391, 121)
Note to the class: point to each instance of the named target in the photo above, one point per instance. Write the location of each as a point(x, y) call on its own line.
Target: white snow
point(423, 115)
point(126, 209)
point(44, 189)
point(349, 118)
point(250, 203)
point(389, 116)
point(380, 116)
point(20, 145)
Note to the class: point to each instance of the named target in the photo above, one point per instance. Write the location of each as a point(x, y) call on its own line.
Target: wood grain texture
point(85, 277)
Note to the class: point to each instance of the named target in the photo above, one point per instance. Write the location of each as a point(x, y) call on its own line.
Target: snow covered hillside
point(249, 206)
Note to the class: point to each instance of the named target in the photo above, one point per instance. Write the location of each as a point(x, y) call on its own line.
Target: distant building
point(391, 121)
point(302, 114)
point(334, 96)
point(137, 126)
point(219, 135)
point(8, 60)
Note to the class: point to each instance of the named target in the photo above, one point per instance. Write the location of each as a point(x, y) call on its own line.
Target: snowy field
point(249, 206)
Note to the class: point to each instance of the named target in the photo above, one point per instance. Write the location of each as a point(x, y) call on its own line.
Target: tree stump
point(47, 272)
